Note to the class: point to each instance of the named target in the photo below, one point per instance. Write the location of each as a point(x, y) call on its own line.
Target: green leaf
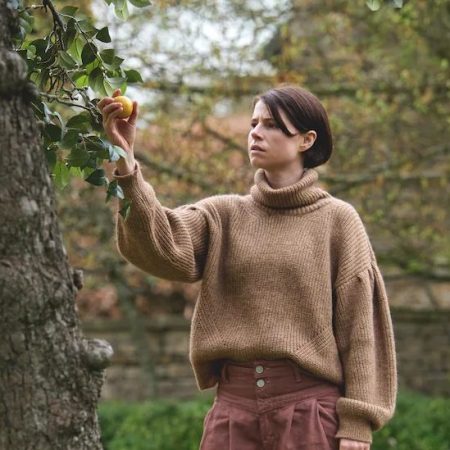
point(121, 9)
point(108, 55)
point(42, 111)
point(24, 54)
point(125, 210)
point(117, 82)
point(116, 152)
point(140, 3)
point(26, 22)
point(87, 28)
point(93, 65)
point(97, 145)
point(80, 121)
point(61, 174)
point(89, 53)
point(76, 48)
point(96, 118)
point(71, 138)
point(76, 172)
point(103, 35)
point(47, 112)
point(108, 88)
point(69, 11)
point(133, 76)
point(40, 46)
point(374, 5)
point(65, 60)
point(81, 79)
point(70, 33)
point(50, 155)
point(114, 66)
point(110, 60)
point(30, 52)
point(97, 178)
point(27, 27)
point(52, 132)
point(96, 82)
point(58, 116)
point(114, 190)
point(78, 157)
point(111, 84)
point(41, 78)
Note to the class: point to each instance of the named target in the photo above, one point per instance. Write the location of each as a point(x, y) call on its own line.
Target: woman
point(292, 321)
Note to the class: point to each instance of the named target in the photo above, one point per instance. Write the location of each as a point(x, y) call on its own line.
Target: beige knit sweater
point(286, 273)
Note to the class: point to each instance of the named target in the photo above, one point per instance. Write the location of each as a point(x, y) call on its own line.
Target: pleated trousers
point(271, 405)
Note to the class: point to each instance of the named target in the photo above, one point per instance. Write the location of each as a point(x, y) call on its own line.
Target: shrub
point(156, 425)
point(420, 423)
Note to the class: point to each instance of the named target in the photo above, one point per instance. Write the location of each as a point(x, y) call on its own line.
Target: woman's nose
point(255, 131)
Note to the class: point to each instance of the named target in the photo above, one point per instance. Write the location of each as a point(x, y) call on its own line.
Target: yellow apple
point(127, 106)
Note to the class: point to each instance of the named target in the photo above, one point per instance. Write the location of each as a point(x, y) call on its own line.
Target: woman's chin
point(256, 163)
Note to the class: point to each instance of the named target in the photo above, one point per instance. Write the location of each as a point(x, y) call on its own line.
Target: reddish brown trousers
point(271, 405)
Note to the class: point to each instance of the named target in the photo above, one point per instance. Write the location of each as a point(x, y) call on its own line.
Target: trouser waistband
point(276, 368)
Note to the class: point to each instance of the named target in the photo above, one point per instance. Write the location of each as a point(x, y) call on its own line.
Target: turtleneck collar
point(303, 193)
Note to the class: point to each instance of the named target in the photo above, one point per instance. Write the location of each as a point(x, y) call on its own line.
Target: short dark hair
point(305, 112)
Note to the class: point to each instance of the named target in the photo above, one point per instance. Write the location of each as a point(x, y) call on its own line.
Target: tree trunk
point(50, 377)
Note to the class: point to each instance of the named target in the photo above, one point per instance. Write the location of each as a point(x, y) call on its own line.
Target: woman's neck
point(282, 179)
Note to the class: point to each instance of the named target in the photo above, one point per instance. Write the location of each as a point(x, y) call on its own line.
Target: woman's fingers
point(114, 110)
point(107, 100)
point(134, 113)
point(350, 444)
point(111, 107)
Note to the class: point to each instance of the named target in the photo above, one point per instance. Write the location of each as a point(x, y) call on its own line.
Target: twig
point(55, 97)
point(55, 14)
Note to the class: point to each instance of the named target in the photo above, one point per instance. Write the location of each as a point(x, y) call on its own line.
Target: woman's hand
point(350, 444)
point(121, 132)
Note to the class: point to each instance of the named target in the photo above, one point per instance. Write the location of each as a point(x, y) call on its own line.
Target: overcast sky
point(196, 34)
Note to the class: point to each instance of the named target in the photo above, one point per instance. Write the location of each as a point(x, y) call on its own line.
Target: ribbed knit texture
point(286, 273)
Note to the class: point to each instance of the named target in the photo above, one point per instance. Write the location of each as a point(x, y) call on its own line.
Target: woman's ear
point(308, 140)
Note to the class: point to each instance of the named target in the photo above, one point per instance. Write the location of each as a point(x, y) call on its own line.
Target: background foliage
point(420, 423)
point(381, 71)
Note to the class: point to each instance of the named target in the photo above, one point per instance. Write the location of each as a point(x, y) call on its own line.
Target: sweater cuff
point(133, 184)
point(117, 176)
point(354, 428)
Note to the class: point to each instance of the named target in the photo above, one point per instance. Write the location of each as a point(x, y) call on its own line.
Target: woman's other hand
point(350, 444)
point(120, 132)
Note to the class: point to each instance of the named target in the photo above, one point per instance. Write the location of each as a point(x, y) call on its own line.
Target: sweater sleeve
point(168, 243)
point(365, 339)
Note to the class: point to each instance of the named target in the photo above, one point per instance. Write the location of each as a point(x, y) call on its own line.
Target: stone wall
point(423, 350)
point(151, 357)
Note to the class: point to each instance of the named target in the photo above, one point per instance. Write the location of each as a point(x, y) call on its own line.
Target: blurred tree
point(202, 63)
point(381, 75)
point(384, 77)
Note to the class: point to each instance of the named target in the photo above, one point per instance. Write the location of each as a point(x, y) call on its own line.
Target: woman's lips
point(256, 148)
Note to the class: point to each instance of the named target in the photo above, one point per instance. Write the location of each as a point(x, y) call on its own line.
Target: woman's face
point(277, 151)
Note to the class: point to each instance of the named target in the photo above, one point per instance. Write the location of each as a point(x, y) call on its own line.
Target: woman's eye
point(267, 125)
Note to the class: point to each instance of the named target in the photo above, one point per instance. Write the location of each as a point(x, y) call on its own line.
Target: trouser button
point(260, 383)
point(259, 369)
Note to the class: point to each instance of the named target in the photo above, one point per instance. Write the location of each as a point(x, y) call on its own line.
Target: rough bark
point(50, 376)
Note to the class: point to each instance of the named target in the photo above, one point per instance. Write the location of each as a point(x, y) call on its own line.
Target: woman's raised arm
point(169, 243)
